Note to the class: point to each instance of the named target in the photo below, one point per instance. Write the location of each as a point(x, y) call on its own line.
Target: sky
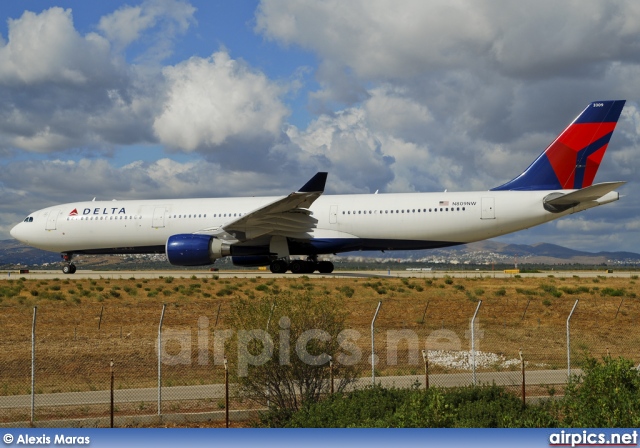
point(174, 99)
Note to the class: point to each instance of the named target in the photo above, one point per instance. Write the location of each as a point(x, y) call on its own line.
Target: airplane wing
point(557, 202)
point(288, 216)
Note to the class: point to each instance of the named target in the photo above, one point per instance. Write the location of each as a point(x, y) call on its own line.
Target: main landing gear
point(69, 267)
point(308, 266)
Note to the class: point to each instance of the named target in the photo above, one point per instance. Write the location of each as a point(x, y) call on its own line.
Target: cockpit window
point(28, 219)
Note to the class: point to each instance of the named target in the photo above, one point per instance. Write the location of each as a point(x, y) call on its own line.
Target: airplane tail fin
point(572, 159)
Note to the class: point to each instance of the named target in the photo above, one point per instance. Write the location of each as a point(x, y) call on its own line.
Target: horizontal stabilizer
point(558, 202)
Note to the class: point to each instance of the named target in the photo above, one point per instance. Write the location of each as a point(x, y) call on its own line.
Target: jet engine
point(195, 249)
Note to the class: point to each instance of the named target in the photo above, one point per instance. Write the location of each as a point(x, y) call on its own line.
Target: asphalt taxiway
point(147, 274)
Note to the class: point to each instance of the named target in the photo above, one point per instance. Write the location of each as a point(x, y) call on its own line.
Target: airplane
point(268, 231)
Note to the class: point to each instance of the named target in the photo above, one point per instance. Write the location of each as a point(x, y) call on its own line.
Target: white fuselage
point(381, 221)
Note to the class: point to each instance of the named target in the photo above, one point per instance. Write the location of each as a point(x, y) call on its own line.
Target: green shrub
point(612, 292)
point(469, 407)
point(347, 291)
point(606, 396)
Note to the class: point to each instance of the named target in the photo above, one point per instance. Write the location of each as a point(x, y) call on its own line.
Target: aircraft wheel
point(325, 267)
point(297, 267)
point(278, 267)
point(73, 269)
point(66, 269)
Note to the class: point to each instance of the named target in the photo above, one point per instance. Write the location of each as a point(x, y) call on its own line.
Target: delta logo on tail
point(572, 160)
point(74, 212)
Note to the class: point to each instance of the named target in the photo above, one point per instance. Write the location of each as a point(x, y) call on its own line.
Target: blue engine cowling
point(195, 250)
point(252, 260)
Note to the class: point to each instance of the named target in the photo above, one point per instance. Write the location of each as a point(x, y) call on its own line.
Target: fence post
point(425, 313)
point(226, 392)
point(373, 348)
point(473, 341)
point(33, 365)
point(569, 341)
point(164, 305)
point(112, 401)
point(331, 374)
point(425, 357)
point(100, 320)
point(524, 397)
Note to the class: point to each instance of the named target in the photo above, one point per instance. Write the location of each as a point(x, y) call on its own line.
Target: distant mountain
point(13, 253)
point(492, 251)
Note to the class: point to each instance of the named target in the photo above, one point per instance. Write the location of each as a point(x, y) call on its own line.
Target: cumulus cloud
point(382, 39)
point(210, 100)
point(168, 18)
point(62, 90)
point(46, 48)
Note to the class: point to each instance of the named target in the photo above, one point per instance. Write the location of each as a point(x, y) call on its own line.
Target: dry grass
point(74, 354)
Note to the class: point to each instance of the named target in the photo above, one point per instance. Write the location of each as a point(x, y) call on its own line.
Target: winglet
point(316, 183)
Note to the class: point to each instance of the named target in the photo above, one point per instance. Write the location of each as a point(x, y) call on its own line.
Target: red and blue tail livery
point(572, 160)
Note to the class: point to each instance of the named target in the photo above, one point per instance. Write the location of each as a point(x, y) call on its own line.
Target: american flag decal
point(444, 203)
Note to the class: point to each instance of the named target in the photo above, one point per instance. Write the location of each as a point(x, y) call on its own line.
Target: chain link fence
point(68, 377)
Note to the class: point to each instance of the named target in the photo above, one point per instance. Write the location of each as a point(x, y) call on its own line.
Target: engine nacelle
point(252, 260)
point(195, 250)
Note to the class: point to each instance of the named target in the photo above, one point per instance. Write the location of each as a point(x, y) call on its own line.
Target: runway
point(226, 274)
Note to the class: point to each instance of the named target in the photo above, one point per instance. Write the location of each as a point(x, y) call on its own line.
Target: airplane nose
point(16, 233)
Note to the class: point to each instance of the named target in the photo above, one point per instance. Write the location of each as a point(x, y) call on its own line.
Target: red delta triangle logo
point(74, 212)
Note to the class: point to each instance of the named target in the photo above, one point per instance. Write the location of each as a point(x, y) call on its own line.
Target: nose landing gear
point(69, 267)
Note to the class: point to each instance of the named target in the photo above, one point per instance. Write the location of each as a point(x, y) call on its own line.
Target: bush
point(468, 407)
point(283, 380)
point(347, 291)
point(606, 397)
